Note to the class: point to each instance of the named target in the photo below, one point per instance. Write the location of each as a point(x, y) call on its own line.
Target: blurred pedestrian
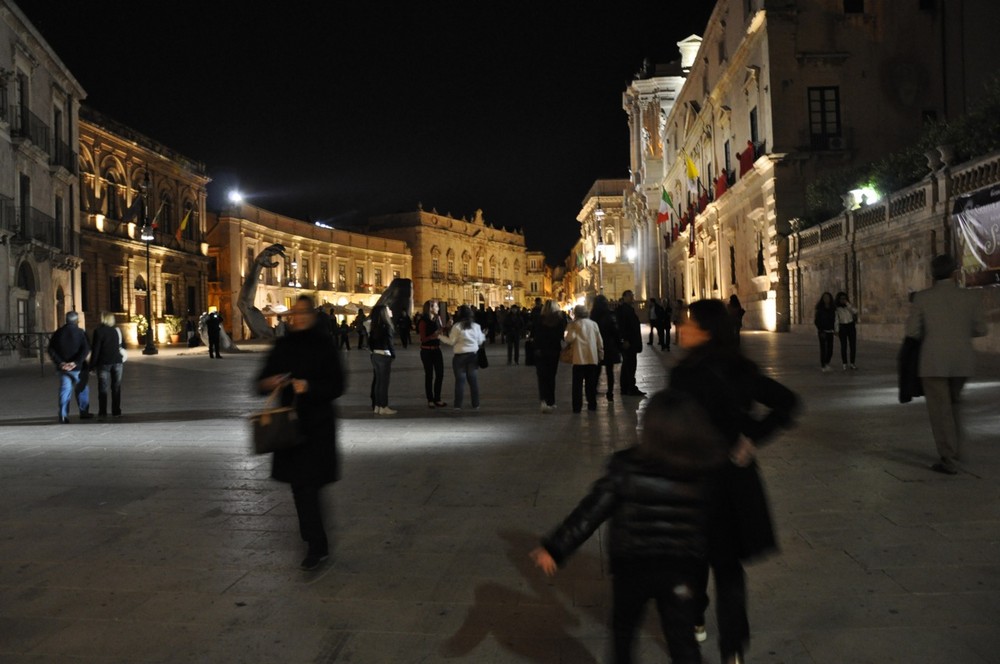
point(213, 323)
point(513, 330)
point(728, 385)
point(658, 496)
point(106, 359)
point(68, 349)
point(601, 314)
point(306, 367)
point(631, 346)
point(547, 335)
point(465, 337)
point(584, 338)
point(736, 313)
point(945, 318)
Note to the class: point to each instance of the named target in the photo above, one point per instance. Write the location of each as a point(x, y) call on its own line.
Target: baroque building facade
point(607, 251)
point(39, 223)
point(123, 176)
point(459, 261)
point(342, 270)
point(774, 94)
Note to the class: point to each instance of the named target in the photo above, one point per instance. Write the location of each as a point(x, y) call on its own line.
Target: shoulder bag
point(481, 358)
point(274, 428)
point(121, 346)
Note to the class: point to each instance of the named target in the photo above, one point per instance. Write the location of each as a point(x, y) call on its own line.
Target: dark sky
point(333, 111)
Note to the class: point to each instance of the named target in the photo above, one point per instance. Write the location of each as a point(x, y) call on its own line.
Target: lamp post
point(599, 216)
point(146, 235)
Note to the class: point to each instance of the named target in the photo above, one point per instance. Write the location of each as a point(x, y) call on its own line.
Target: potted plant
point(174, 326)
point(141, 328)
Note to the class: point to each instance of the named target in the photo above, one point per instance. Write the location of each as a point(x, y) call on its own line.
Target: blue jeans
point(109, 377)
point(71, 384)
point(381, 367)
point(466, 368)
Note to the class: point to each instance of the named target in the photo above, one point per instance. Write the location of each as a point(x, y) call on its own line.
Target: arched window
point(165, 220)
point(111, 202)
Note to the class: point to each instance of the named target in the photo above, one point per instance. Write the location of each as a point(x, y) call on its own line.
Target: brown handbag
point(274, 428)
point(566, 355)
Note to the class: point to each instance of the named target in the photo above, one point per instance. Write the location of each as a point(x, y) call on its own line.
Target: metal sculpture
point(252, 316)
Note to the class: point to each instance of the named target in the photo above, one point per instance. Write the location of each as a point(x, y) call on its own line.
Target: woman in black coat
point(601, 314)
point(305, 366)
point(727, 385)
point(106, 359)
point(825, 321)
point(547, 335)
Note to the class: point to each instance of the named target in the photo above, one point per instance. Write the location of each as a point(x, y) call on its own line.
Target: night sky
point(335, 111)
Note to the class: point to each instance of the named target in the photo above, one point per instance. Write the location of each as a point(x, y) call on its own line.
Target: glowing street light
point(235, 197)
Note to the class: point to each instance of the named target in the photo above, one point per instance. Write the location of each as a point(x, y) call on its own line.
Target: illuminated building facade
point(347, 271)
point(607, 253)
point(117, 164)
point(459, 261)
point(39, 223)
point(772, 96)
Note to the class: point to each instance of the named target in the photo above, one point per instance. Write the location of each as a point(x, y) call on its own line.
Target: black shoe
point(313, 561)
point(86, 415)
point(946, 468)
point(218, 357)
point(63, 420)
point(635, 393)
point(610, 396)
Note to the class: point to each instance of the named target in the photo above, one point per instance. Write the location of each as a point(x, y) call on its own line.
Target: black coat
point(908, 362)
point(547, 335)
point(309, 355)
point(69, 344)
point(824, 318)
point(656, 513)
point(727, 386)
point(630, 328)
point(104, 350)
point(608, 325)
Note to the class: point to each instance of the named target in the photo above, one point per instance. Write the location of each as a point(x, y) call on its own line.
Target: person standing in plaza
point(513, 330)
point(361, 329)
point(678, 316)
point(547, 334)
point(345, 334)
point(404, 325)
point(736, 313)
point(306, 367)
point(213, 323)
point(68, 349)
point(631, 335)
point(845, 325)
point(429, 329)
point(465, 337)
point(727, 385)
point(658, 496)
point(825, 320)
point(106, 359)
point(382, 355)
point(667, 320)
point(601, 314)
point(945, 318)
point(584, 338)
point(653, 318)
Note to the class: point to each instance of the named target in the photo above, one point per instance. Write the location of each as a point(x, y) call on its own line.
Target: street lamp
point(146, 235)
point(599, 216)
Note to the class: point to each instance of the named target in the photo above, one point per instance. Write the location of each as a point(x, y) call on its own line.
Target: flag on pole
point(183, 226)
point(156, 217)
point(666, 207)
point(692, 175)
point(133, 210)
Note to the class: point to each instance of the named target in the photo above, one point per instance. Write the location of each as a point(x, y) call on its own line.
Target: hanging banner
point(976, 219)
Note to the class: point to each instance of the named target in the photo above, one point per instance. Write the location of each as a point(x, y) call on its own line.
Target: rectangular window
point(115, 284)
point(732, 265)
point(435, 264)
point(58, 237)
point(359, 276)
point(824, 117)
point(169, 299)
point(324, 273)
point(451, 266)
point(342, 277)
point(192, 299)
point(754, 134)
point(378, 277)
point(727, 152)
point(84, 292)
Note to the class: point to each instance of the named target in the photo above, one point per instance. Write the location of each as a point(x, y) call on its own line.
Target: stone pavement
point(159, 538)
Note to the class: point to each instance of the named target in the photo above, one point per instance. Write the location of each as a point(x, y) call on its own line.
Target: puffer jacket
point(656, 513)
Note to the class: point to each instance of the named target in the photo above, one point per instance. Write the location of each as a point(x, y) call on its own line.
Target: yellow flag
point(692, 170)
point(184, 223)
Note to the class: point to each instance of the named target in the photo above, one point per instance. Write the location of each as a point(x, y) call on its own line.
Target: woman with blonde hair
point(584, 337)
point(107, 359)
point(547, 335)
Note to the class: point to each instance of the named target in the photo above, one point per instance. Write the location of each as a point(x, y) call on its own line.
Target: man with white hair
point(68, 348)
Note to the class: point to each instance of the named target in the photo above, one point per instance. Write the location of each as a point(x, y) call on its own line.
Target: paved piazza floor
point(160, 538)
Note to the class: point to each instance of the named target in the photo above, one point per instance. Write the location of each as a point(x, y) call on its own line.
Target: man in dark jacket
point(68, 348)
point(213, 323)
point(631, 333)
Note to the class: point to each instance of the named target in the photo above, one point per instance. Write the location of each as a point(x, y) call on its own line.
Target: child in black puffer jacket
point(658, 496)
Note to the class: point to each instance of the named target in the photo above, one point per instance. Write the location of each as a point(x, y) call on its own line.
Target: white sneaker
point(377, 410)
point(546, 408)
point(700, 633)
point(845, 367)
point(854, 367)
point(385, 410)
point(826, 368)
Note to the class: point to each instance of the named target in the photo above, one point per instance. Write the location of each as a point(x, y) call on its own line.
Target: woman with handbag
point(382, 354)
point(547, 335)
point(583, 337)
point(727, 385)
point(466, 336)
point(107, 358)
point(305, 366)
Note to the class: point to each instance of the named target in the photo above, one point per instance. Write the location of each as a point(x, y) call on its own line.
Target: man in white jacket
point(584, 338)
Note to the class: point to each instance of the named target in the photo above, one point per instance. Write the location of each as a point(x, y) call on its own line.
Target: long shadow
point(495, 613)
point(132, 418)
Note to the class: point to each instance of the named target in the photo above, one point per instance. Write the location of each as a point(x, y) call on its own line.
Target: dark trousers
point(433, 362)
point(513, 348)
point(310, 515)
point(546, 367)
point(585, 379)
point(345, 340)
point(609, 372)
point(825, 348)
point(627, 377)
point(213, 343)
point(109, 379)
point(730, 602)
point(848, 335)
point(674, 586)
point(381, 370)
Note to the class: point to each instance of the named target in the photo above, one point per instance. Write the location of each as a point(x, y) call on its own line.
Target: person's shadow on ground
point(512, 618)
